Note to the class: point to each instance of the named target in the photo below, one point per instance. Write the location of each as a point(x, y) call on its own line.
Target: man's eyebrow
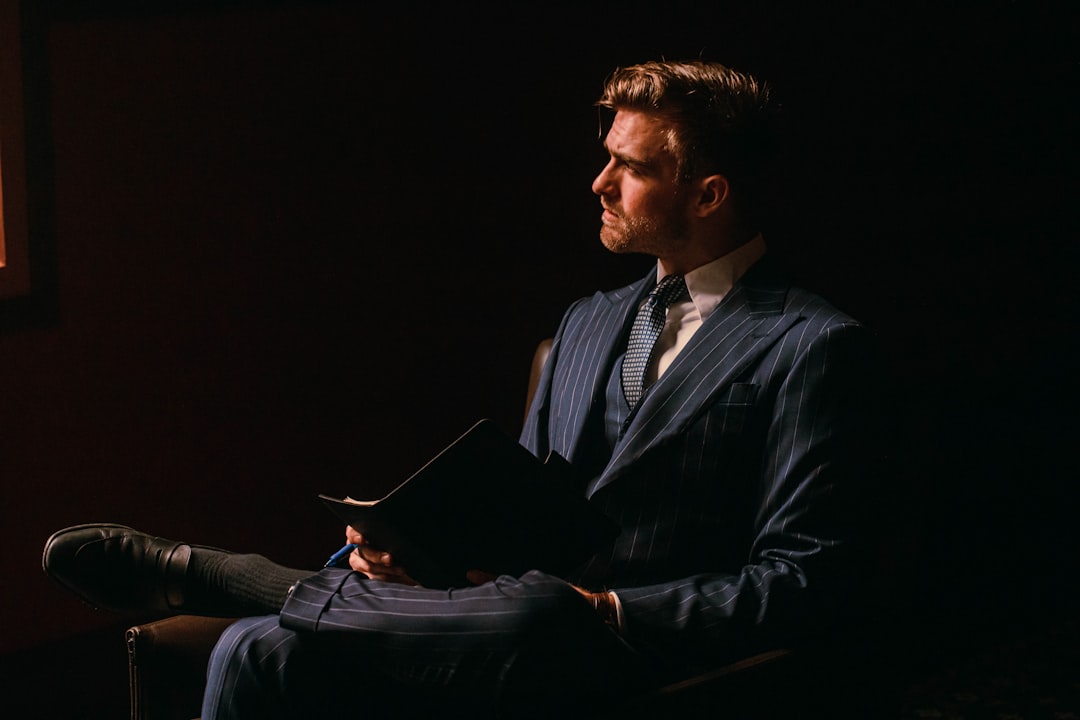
point(624, 158)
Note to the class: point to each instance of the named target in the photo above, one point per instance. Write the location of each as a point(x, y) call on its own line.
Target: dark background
point(287, 248)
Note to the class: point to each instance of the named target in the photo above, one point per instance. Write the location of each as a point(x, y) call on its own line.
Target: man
point(729, 452)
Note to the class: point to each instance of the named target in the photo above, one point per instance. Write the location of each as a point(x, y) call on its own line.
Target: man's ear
point(713, 192)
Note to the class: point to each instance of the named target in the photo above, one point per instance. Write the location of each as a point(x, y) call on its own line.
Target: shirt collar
point(709, 283)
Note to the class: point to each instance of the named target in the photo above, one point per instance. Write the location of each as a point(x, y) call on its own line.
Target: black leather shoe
point(117, 568)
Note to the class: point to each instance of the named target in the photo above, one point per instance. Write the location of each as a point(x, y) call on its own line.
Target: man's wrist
point(606, 604)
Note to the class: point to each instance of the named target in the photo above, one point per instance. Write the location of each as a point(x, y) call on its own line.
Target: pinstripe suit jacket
point(735, 481)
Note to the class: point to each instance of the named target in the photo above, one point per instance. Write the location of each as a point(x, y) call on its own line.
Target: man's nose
point(602, 185)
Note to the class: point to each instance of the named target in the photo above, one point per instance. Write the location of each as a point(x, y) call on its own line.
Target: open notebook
point(483, 503)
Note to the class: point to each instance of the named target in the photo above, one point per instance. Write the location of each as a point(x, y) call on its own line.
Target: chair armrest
point(167, 665)
point(751, 688)
point(768, 660)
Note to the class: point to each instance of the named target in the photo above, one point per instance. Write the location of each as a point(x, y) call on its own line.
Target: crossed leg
point(344, 644)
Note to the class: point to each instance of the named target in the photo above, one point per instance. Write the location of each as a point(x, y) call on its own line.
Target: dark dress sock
point(227, 584)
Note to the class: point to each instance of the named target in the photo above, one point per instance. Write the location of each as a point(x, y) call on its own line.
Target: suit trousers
point(513, 647)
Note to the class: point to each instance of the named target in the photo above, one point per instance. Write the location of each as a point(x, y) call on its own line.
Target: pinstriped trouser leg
point(259, 669)
point(246, 671)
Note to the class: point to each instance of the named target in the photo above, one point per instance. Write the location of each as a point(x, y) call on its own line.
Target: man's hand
point(479, 577)
point(375, 563)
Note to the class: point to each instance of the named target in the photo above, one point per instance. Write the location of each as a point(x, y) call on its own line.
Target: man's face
point(644, 204)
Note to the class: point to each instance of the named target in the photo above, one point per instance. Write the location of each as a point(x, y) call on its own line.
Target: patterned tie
point(646, 329)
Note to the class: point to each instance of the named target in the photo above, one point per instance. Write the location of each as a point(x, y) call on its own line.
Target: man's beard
point(646, 235)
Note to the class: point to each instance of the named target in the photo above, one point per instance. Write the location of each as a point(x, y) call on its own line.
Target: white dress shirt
point(708, 285)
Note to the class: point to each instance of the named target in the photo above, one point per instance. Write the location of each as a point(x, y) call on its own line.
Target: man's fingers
point(479, 577)
point(358, 563)
point(378, 565)
point(376, 556)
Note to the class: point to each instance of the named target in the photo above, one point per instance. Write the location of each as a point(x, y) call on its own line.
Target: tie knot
point(668, 290)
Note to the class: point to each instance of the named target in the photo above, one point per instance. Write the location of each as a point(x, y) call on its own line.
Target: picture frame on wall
point(27, 259)
point(14, 231)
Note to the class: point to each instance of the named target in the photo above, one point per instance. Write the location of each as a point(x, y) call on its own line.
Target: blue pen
point(340, 555)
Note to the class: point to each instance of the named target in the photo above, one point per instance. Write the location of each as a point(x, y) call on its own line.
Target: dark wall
point(299, 247)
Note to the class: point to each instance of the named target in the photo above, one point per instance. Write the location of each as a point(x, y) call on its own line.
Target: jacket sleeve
point(534, 433)
point(800, 576)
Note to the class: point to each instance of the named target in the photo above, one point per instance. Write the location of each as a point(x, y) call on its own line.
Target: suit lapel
point(748, 321)
point(583, 377)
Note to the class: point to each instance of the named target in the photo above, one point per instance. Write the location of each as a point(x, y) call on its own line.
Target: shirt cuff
point(620, 619)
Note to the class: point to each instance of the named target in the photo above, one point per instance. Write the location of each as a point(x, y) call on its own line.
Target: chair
point(167, 665)
point(167, 661)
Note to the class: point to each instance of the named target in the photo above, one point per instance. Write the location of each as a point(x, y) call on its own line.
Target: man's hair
point(722, 119)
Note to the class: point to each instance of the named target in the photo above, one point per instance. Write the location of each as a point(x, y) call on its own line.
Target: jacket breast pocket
point(718, 442)
point(727, 414)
